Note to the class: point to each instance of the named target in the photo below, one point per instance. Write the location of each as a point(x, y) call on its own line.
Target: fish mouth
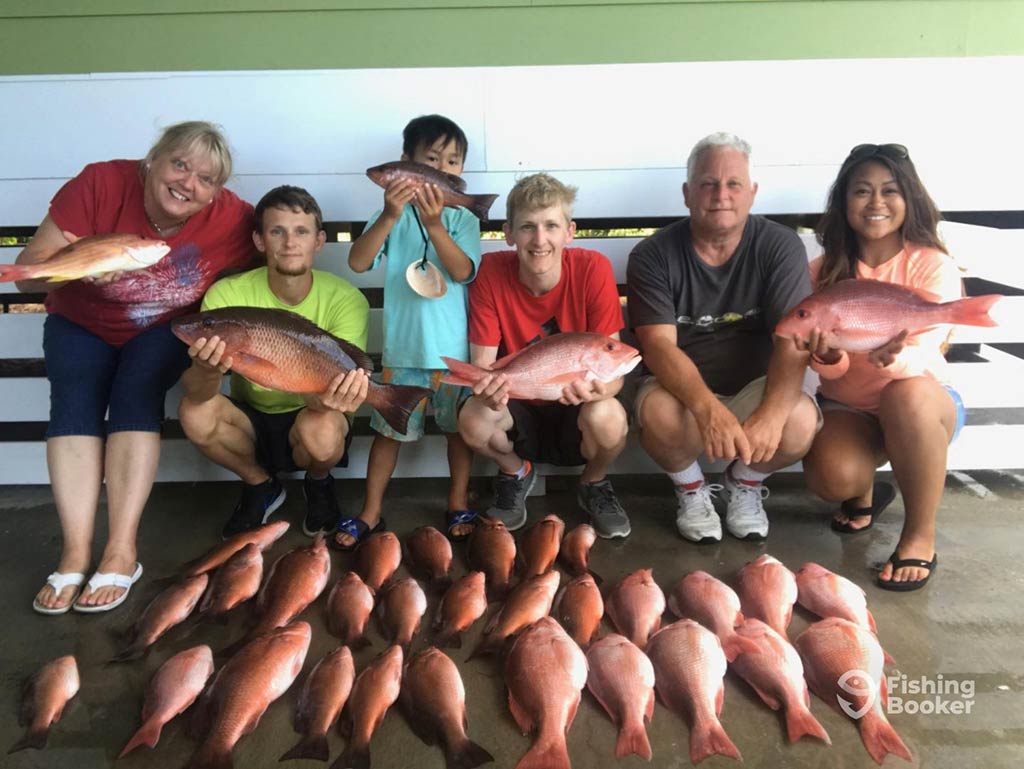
point(626, 366)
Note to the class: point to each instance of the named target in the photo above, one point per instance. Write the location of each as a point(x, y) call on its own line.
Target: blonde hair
point(192, 136)
point(537, 192)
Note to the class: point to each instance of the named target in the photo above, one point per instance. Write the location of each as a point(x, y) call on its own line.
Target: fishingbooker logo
point(924, 694)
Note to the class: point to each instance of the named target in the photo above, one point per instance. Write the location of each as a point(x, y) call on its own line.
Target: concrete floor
point(963, 626)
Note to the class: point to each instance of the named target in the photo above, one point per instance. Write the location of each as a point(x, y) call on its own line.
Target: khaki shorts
point(742, 404)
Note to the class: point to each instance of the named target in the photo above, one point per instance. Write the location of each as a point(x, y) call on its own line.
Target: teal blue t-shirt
point(418, 331)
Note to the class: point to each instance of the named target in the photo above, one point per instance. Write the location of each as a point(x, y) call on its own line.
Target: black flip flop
point(453, 518)
point(354, 527)
point(902, 563)
point(882, 496)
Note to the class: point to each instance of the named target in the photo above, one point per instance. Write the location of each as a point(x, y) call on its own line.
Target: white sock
point(688, 475)
point(740, 472)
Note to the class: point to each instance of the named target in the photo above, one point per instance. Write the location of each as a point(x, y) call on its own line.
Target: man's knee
point(477, 423)
point(800, 428)
point(199, 420)
point(604, 422)
point(662, 418)
point(321, 435)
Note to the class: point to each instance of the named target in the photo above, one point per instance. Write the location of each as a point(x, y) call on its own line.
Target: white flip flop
point(58, 581)
point(109, 579)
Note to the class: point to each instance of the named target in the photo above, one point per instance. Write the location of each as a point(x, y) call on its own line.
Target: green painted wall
point(75, 36)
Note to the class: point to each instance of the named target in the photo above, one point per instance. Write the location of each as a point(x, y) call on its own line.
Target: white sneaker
point(696, 518)
point(745, 517)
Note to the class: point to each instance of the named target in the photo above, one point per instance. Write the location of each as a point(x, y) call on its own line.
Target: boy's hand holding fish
point(583, 391)
point(429, 202)
point(345, 393)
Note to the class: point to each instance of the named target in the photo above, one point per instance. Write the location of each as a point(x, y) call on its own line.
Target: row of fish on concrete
point(545, 636)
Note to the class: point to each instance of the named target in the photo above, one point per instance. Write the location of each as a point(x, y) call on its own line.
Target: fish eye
point(208, 322)
point(802, 313)
point(610, 346)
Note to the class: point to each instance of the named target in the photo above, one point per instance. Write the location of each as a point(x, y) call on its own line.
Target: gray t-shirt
point(724, 316)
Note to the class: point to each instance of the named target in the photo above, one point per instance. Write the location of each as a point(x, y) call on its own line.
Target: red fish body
point(263, 537)
point(401, 606)
point(281, 350)
point(452, 187)
point(542, 370)
point(235, 582)
point(863, 315)
point(430, 554)
point(635, 606)
point(374, 691)
point(579, 607)
point(767, 591)
point(348, 608)
point(529, 601)
point(575, 551)
point(712, 603)
point(538, 546)
point(94, 255)
point(621, 677)
point(491, 548)
point(377, 557)
point(294, 582)
point(320, 703)
point(463, 604)
point(169, 608)
point(43, 701)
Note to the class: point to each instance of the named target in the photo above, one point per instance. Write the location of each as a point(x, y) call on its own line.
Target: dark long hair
point(838, 239)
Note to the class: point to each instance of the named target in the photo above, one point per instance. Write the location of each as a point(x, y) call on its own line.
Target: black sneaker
point(322, 512)
point(255, 506)
point(510, 494)
point(598, 500)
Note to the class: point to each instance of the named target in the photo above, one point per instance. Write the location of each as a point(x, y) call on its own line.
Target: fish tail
point(633, 739)
point(881, 739)
point(547, 754)
point(354, 757)
point(467, 756)
point(34, 738)
point(148, 735)
point(973, 311)
point(481, 205)
point(461, 373)
point(395, 403)
point(11, 272)
point(312, 746)
point(360, 642)
point(709, 739)
point(801, 722)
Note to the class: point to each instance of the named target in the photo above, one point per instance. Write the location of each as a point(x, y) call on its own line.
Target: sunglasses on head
point(865, 151)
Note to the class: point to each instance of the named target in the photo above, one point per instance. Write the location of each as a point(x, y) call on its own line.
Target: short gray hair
point(195, 135)
point(714, 141)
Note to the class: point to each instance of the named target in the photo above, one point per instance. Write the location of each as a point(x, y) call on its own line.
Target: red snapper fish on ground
point(545, 672)
point(767, 591)
point(320, 703)
point(90, 256)
point(863, 315)
point(171, 607)
point(374, 691)
point(452, 187)
point(635, 606)
point(282, 350)
point(843, 665)
point(542, 370)
point(263, 537)
point(43, 701)
point(622, 679)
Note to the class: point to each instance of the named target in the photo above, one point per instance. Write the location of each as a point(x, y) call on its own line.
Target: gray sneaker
point(598, 500)
point(510, 494)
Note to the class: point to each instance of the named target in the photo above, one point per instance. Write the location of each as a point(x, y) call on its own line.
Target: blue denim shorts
point(958, 404)
point(88, 377)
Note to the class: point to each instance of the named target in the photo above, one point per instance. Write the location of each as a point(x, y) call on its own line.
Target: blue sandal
point(356, 528)
point(454, 518)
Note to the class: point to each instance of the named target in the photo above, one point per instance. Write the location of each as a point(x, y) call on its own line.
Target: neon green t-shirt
point(333, 304)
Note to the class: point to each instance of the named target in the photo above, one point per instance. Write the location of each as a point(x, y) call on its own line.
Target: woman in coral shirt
point(893, 403)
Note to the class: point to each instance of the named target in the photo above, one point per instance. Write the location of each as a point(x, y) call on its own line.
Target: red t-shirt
point(503, 314)
point(106, 198)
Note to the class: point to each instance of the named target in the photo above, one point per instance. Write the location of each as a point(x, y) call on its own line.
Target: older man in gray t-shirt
point(705, 294)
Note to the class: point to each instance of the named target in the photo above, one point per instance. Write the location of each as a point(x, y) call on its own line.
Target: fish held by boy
point(542, 370)
point(864, 315)
point(91, 256)
point(452, 187)
point(281, 350)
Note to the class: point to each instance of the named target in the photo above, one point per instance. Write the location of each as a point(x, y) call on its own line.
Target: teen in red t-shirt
point(519, 297)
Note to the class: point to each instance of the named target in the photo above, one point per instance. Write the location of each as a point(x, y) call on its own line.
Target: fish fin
point(503, 361)
point(133, 652)
point(768, 699)
point(354, 757)
point(356, 353)
point(467, 756)
point(58, 278)
point(673, 605)
point(633, 739)
point(461, 373)
point(800, 722)
point(888, 658)
point(881, 739)
point(360, 643)
point(312, 746)
point(523, 719)
point(457, 182)
point(481, 205)
point(973, 311)
point(35, 739)
point(735, 645)
point(148, 735)
point(395, 403)
point(12, 272)
point(871, 622)
point(708, 738)
point(649, 709)
point(552, 754)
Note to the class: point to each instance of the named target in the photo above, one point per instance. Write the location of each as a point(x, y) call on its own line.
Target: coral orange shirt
point(858, 383)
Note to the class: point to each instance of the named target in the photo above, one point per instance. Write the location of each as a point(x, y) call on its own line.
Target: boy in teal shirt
point(417, 330)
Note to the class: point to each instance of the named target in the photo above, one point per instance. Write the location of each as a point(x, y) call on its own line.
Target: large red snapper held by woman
point(94, 255)
point(863, 315)
point(281, 350)
point(452, 187)
point(542, 370)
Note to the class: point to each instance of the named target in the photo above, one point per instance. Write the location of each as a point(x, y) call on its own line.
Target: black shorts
point(546, 432)
point(273, 451)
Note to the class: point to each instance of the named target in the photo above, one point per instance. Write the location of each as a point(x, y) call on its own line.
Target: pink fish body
point(172, 689)
point(862, 315)
point(712, 603)
point(235, 582)
point(575, 550)
point(263, 537)
point(294, 582)
point(374, 691)
point(320, 703)
point(348, 609)
point(836, 650)
point(93, 255)
point(542, 370)
point(538, 546)
point(689, 666)
point(463, 604)
point(635, 606)
point(43, 701)
point(579, 607)
point(621, 677)
point(377, 557)
point(767, 591)
point(528, 602)
point(171, 607)
point(452, 187)
point(402, 604)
